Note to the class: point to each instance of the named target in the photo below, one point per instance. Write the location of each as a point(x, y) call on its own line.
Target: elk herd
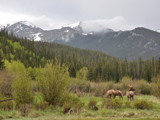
point(129, 93)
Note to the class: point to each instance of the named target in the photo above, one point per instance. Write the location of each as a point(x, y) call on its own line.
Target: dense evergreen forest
point(98, 66)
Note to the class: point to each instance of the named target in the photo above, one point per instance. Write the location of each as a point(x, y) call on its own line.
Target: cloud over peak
point(116, 23)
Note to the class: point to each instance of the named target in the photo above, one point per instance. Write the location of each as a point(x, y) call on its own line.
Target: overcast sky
point(114, 14)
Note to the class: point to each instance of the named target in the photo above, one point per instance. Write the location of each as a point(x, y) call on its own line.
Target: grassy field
point(122, 113)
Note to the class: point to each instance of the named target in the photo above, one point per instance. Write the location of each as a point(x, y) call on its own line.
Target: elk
point(114, 93)
point(130, 93)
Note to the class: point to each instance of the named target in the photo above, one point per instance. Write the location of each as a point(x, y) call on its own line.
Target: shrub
point(127, 104)
point(2, 65)
point(21, 85)
point(8, 105)
point(100, 89)
point(52, 82)
point(92, 105)
point(25, 109)
point(111, 103)
point(144, 87)
point(6, 83)
point(143, 104)
point(109, 85)
point(73, 104)
point(126, 81)
point(39, 102)
point(80, 85)
point(82, 73)
point(43, 105)
point(155, 86)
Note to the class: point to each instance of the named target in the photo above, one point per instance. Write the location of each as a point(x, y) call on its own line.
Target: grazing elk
point(110, 93)
point(114, 93)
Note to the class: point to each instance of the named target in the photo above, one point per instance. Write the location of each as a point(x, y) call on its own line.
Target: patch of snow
point(146, 45)
point(91, 33)
point(151, 44)
point(84, 34)
point(65, 38)
point(27, 23)
point(116, 35)
point(158, 31)
point(36, 36)
point(21, 28)
point(66, 30)
point(135, 34)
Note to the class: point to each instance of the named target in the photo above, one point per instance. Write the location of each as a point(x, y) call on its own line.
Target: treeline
point(95, 65)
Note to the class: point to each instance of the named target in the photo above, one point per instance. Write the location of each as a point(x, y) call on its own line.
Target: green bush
point(52, 82)
point(25, 109)
point(127, 104)
point(8, 105)
point(39, 102)
point(73, 104)
point(143, 104)
point(6, 83)
point(155, 86)
point(78, 84)
point(92, 105)
point(82, 73)
point(144, 87)
point(126, 81)
point(22, 85)
point(111, 103)
point(100, 90)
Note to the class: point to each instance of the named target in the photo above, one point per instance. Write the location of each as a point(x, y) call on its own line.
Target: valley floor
point(103, 113)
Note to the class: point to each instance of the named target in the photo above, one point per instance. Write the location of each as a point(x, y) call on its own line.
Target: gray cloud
point(51, 13)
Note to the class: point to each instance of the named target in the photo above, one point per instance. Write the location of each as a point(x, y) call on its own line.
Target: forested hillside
point(100, 67)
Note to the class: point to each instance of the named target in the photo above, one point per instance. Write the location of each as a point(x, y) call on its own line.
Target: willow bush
point(52, 81)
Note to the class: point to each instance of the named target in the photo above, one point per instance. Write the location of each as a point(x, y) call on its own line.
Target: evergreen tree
point(1, 60)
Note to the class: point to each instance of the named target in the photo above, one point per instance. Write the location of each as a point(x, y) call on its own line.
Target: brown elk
point(130, 93)
point(114, 93)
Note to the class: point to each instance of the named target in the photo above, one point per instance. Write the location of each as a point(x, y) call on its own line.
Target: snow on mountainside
point(26, 30)
point(37, 37)
point(158, 31)
point(63, 33)
point(27, 24)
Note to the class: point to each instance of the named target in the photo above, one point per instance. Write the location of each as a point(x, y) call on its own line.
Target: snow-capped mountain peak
point(25, 29)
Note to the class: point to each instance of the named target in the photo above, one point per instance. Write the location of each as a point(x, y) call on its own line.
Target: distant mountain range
point(122, 44)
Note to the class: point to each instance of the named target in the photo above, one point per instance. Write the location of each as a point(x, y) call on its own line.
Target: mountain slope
point(131, 44)
point(122, 44)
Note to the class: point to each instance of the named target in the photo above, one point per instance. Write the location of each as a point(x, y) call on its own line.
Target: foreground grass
point(109, 114)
